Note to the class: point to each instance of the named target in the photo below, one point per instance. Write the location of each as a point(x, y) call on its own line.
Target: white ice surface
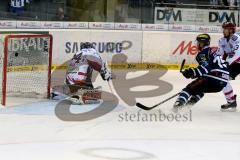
point(33, 132)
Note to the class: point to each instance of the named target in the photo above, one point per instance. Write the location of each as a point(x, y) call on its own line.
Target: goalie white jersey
point(81, 66)
point(230, 48)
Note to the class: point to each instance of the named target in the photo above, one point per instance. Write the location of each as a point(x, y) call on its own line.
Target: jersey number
point(236, 47)
point(221, 63)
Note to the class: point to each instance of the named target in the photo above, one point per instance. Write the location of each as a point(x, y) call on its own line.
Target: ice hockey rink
point(32, 131)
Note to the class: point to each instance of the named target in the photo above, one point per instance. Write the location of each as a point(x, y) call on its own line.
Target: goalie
point(79, 74)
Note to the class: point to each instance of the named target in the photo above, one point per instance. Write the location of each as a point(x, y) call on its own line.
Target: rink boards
point(121, 47)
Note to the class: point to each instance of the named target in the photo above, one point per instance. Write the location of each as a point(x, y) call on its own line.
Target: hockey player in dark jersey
point(210, 76)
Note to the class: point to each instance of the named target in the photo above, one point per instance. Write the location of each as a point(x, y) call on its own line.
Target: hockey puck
point(16, 54)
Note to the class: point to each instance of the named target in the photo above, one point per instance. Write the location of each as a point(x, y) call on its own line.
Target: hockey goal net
point(25, 63)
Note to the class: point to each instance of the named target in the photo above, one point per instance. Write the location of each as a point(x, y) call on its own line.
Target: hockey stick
point(182, 65)
point(175, 95)
point(150, 108)
point(110, 87)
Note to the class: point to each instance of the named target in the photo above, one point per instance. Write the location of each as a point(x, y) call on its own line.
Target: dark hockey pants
point(196, 89)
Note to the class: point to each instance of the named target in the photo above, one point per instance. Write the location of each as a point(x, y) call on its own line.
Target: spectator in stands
point(60, 15)
point(214, 2)
point(231, 3)
point(18, 6)
point(224, 2)
point(171, 3)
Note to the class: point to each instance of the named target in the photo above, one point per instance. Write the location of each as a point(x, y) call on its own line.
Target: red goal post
point(25, 58)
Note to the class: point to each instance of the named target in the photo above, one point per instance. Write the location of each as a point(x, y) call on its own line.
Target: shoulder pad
point(222, 42)
point(202, 56)
point(235, 37)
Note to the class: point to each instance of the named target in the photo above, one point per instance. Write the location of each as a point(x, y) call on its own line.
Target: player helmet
point(86, 45)
point(229, 25)
point(203, 39)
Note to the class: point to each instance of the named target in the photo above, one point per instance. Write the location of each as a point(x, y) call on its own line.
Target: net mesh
point(27, 66)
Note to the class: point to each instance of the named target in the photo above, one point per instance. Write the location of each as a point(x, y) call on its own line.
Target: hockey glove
point(105, 74)
point(188, 73)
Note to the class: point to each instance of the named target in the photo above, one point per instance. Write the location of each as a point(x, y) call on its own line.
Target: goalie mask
point(86, 45)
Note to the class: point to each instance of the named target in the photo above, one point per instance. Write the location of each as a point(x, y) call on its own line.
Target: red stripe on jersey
point(233, 98)
point(236, 61)
point(79, 82)
point(82, 74)
point(96, 66)
point(227, 93)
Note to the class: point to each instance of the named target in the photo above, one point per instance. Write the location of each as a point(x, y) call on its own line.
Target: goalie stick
point(139, 105)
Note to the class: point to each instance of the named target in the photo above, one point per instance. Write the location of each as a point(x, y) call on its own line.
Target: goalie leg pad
point(92, 97)
point(86, 97)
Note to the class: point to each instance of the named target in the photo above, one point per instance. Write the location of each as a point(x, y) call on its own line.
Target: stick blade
point(139, 105)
